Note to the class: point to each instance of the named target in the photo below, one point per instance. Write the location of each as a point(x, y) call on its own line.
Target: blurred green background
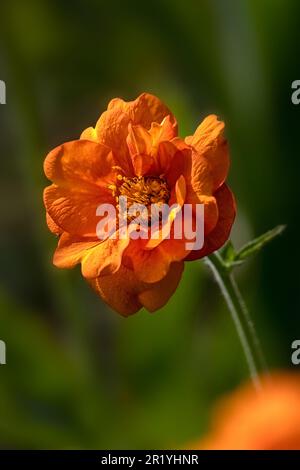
point(77, 374)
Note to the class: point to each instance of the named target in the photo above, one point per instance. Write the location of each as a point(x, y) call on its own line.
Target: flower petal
point(179, 195)
point(247, 420)
point(220, 234)
point(162, 132)
point(176, 159)
point(80, 163)
point(152, 265)
point(177, 199)
point(74, 210)
point(140, 145)
point(52, 226)
point(112, 127)
point(112, 130)
point(96, 257)
point(164, 158)
point(209, 142)
point(200, 181)
point(105, 258)
point(89, 134)
point(144, 110)
point(81, 171)
point(120, 291)
point(71, 249)
point(126, 294)
point(211, 212)
point(156, 295)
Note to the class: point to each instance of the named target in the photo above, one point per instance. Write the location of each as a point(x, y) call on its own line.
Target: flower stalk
point(240, 316)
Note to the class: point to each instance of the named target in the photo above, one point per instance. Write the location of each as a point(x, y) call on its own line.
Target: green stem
point(240, 316)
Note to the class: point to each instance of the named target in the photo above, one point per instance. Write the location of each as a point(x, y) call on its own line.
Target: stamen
point(145, 190)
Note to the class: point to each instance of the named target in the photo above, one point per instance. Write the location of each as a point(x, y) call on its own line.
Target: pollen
point(113, 189)
point(145, 190)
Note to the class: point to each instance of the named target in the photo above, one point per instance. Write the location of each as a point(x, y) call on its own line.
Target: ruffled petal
point(120, 291)
point(112, 130)
point(72, 249)
point(89, 134)
point(126, 294)
point(151, 152)
point(140, 146)
point(52, 226)
point(209, 142)
point(97, 258)
point(112, 127)
point(220, 234)
point(82, 172)
point(152, 265)
point(80, 163)
point(156, 295)
point(165, 160)
point(74, 210)
point(163, 132)
point(144, 110)
point(105, 258)
point(200, 179)
point(164, 228)
point(190, 163)
point(211, 211)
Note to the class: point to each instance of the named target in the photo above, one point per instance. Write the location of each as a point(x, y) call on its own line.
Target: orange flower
point(269, 420)
point(134, 151)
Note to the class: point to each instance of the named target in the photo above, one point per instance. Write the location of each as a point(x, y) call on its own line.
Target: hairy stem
point(240, 316)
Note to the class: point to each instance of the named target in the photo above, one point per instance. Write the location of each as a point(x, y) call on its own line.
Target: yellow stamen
point(144, 190)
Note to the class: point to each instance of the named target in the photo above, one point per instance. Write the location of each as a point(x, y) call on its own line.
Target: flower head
point(269, 420)
point(134, 152)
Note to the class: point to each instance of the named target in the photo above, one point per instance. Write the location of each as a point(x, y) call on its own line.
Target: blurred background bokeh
point(78, 375)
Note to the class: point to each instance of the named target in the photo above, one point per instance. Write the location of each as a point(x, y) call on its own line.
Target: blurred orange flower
point(134, 150)
point(248, 420)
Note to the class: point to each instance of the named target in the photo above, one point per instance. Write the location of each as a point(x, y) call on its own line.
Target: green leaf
point(254, 246)
point(230, 258)
point(228, 252)
point(228, 255)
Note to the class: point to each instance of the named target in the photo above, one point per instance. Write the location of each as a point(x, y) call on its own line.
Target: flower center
point(145, 190)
